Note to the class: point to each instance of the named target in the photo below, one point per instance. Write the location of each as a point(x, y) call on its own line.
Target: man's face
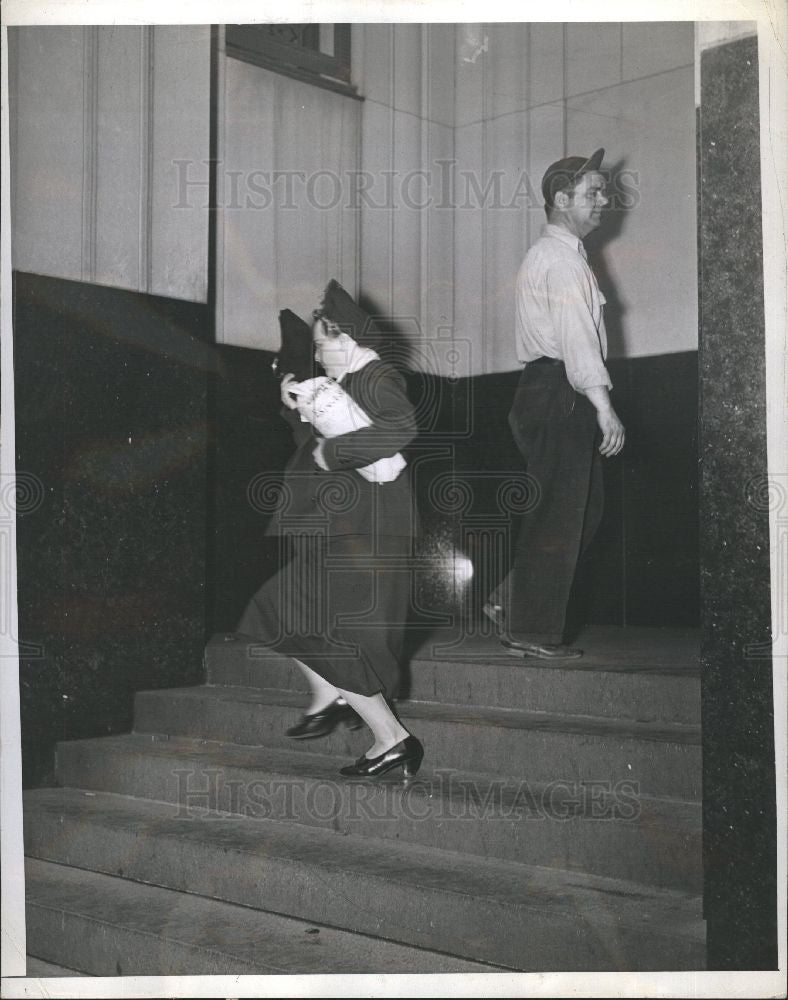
point(584, 211)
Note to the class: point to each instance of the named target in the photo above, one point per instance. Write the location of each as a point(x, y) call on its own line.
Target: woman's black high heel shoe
point(325, 722)
point(408, 754)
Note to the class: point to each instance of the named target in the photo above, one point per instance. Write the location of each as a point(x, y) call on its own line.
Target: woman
point(339, 606)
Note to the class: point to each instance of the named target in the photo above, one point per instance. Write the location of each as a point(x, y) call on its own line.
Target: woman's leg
point(385, 726)
point(323, 693)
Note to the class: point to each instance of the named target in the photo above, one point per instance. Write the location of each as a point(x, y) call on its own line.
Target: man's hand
point(611, 427)
point(287, 399)
point(612, 432)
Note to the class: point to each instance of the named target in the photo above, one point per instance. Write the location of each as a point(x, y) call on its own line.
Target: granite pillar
point(738, 718)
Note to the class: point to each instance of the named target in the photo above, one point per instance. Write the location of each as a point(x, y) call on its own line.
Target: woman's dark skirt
point(339, 608)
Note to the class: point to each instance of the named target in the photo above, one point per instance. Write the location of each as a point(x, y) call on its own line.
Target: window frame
point(255, 44)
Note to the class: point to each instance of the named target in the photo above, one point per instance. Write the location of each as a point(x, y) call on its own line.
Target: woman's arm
point(380, 392)
point(302, 431)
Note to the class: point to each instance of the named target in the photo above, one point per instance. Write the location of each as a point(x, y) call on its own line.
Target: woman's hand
point(317, 454)
point(287, 399)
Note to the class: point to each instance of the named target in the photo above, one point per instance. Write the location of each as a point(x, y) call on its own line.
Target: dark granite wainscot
point(111, 432)
point(641, 570)
point(737, 699)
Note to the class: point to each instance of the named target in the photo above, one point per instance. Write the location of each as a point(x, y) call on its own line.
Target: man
point(561, 419)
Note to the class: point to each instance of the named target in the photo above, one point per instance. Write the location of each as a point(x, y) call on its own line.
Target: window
point(315, 53)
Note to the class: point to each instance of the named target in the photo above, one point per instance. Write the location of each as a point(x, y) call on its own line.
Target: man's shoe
point(325, 722)
point(495, 613)
point(518, 647)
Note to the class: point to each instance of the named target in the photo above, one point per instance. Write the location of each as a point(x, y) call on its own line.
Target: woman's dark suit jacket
point(340, 501)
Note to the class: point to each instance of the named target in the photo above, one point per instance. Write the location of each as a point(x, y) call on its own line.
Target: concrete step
point(511, 915)
point(653, 841)
point(111, 926)
point(642, 674)
point(38, 969)
point(658, 760)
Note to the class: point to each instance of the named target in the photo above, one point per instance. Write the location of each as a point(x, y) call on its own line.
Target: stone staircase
point(555, 825)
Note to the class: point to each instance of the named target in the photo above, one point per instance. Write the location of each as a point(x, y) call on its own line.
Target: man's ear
point(561, 199)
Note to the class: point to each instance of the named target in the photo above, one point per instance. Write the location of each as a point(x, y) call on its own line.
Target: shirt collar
point(566, 237)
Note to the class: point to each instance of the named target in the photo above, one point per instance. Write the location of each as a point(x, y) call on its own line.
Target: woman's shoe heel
point(411, 767)
point(408, 754)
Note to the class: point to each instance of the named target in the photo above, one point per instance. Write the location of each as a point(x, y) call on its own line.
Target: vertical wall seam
point(486, 114)
point(13, 41)
point(565, 88)
point(425, 162)
point(324, 136)
point(151, 155)
point(527, 86)
point(452, 192)
point(216, 195)
point(359, 159)
point(340, 220)
point(276, 96)
point(146, 159)
point(392, 155)
point(90, 39)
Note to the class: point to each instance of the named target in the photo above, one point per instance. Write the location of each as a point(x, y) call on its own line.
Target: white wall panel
point(407, 162)
point(408, 56)
point(373, 52)
point(437, 234)
point(179, 236)
point(657, 47)
point(373, 61)
point(101, 114)
point(505, 145)
point(288, 151)
point(406, 152)
point(47, 104)
point(438, 75)
point(507, 66)
point(648, 126)
point(124, 110)
point(469, 221)
point(593, 57)
point(247, 282)
point(437, 219)
point(545, 63)
point(377, 216)
point(472, 184)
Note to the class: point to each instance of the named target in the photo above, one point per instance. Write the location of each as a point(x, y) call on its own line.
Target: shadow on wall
point(614, 222)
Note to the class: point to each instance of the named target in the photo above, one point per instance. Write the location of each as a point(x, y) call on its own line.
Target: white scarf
point(360, 357)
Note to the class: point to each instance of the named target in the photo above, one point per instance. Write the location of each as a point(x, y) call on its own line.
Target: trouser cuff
point(538, 638)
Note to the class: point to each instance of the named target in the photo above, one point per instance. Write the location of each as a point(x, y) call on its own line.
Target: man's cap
point(564, 174)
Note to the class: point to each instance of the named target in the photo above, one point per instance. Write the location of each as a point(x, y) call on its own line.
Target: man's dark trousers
point(555, 429)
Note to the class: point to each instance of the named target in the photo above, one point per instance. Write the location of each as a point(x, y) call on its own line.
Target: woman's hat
point(297, 353)
point(343, 311)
